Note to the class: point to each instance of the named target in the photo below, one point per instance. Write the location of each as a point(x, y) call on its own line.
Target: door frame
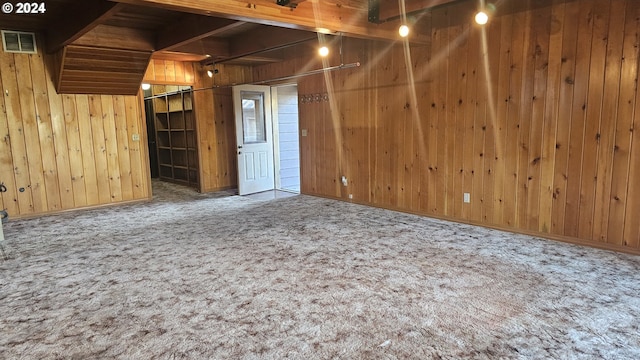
point(243, 188)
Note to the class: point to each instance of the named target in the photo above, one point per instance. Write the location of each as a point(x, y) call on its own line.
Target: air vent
point(19, 42)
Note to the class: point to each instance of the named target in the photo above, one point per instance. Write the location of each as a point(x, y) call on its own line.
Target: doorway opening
point(286, 137)
point(171, 133)
point(267, 138)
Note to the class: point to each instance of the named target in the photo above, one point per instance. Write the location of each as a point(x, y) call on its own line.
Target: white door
point(254, 134)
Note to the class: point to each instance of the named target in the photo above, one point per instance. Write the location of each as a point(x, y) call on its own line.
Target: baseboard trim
point(83, 208)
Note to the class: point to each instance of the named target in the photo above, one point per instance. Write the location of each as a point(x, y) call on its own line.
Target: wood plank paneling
point(94, 70)
point(215, 125)
point(624, 130)
point(514, 111)
point(60, 140)
point(138, 150)
point(45, 131)
point(550, 121)
point(578, 116)
point(500, 119)
point(111, 148)
point(74, 147)
point(29, 119)
point(169, 72)
point(608, 121)
point(469, 101)
point(9, 198)
point(564, 117)
point(595, 99)
point(122, 151)
point(458, 76)
point(545, 138)
point(20, 168)
point(62, 152)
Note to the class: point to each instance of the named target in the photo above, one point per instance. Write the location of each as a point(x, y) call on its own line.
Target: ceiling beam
point(176, 56)
point(390, 10)
point(79, 18)
point(345, 19)
point(207, 46)
point(192, 28)
point(267, 38)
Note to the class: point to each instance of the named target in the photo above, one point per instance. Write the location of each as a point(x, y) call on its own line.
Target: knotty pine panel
point(539, 127)
point(169, 72)
point(215, 125)
point(62, 152)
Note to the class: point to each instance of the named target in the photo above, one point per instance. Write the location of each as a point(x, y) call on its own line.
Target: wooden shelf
point(175, 134)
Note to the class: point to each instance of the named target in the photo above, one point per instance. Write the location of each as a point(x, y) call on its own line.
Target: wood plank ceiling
point(95, 38)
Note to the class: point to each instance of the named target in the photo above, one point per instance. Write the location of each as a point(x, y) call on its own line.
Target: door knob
point(239, 146)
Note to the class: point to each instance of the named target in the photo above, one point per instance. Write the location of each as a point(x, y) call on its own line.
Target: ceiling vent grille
point(19, 42)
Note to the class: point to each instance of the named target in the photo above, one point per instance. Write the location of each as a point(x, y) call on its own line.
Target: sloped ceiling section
point(92, 70)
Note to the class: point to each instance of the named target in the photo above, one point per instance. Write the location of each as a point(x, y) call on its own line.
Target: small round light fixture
point(146, 86)
point(482, 18)
point(403, 30)
point(209, 73)
point(323, 51)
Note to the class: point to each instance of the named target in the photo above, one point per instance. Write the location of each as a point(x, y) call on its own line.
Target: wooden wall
point(213, 107)
point(169, 72)
point(61, 152)
point(216, 126)
point(535, 116)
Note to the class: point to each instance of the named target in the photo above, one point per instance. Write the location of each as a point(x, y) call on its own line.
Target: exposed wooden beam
point(254, 60)
point(347, 19)
point(192, 28)
point(208, 46)
point(390, 10)
point(265, 39)
point(79, 18)
point(176, 56)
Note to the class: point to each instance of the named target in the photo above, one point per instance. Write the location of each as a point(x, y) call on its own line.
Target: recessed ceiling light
point(323, 51)
point(482, 18)
point(403, 30)
point(146, 86)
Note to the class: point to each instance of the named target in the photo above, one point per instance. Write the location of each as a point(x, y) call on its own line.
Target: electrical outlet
point(344, 181)
point(135, 137)
point(350, 196)
point(304, 132)
point(467, 198)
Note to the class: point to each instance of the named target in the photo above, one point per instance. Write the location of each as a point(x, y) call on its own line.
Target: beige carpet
point(193, 276)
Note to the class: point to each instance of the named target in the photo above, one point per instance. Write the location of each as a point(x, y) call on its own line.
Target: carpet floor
point(218, 276)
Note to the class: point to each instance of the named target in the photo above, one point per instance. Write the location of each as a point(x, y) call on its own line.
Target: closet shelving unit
point(176, 134)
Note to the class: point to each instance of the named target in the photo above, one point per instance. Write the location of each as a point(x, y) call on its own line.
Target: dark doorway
point(151, 135)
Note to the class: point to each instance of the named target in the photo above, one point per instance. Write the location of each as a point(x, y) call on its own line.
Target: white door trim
point(276, 136)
